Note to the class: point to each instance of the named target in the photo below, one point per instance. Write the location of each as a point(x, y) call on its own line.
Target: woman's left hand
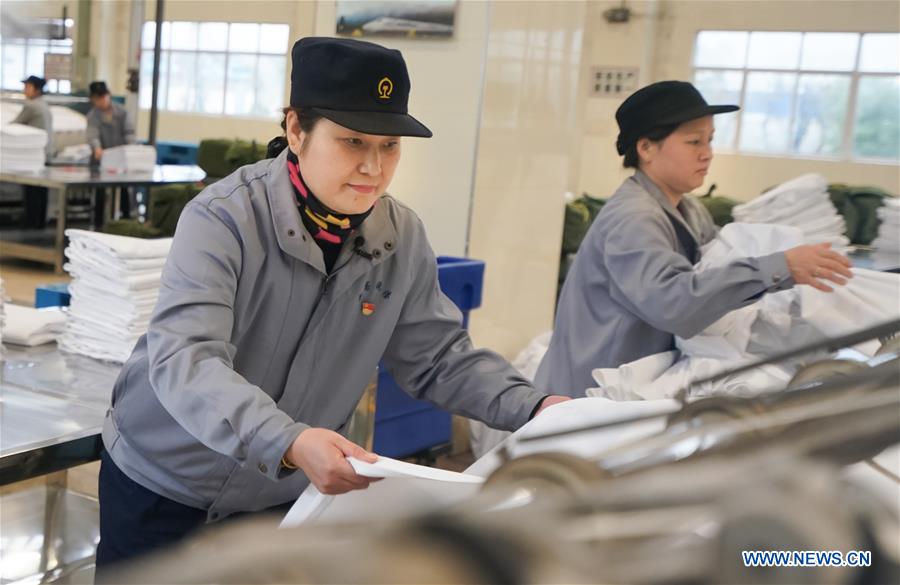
point(550, 401)
point(815, 263)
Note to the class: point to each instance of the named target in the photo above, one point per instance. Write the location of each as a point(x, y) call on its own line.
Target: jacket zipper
point(323, 290)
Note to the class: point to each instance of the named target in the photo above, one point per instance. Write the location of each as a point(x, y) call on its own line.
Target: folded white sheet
point(30, 326)
point(407, 490)
point(578, 413)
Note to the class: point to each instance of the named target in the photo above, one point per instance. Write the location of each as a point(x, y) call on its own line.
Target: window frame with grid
point(60, 46)
point(855, 76)
point(267, 97)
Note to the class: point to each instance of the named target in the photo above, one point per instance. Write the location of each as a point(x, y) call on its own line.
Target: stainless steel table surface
point(52, 407)
point(81, 176)
point(62, 178)
point(876, 259)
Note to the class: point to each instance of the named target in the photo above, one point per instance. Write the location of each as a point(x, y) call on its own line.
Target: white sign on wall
point(612, 81)
point(57, 66)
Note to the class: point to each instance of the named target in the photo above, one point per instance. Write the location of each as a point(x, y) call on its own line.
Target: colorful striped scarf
point(323, 223)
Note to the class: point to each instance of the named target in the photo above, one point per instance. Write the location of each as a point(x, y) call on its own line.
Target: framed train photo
point(413, 19)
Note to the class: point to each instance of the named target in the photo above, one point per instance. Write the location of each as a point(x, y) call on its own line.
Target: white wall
point(661, 37)
point(435, 175)
point(525, 150)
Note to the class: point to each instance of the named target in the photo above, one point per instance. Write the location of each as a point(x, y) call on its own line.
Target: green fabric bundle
point(580, 215)
point(858, 206)
point(166, 204)
point(242, 152)
point(211, 157)
point(719, 206)
point(131, 228)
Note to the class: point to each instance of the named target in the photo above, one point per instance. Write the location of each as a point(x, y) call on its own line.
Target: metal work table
point(876, 259)
point(52, 407)
point(63, 179)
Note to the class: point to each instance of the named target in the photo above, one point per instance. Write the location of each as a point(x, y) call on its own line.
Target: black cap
point(359, 85)
point(98, 88)
point(663, 103)
point(36, 81)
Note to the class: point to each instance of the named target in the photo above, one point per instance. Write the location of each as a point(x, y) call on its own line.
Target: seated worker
point(286, 283)
point(632, 286)
point(36, 113)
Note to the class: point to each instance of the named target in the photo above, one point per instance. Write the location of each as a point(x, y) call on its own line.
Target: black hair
point(308, 119)
point(632, 160)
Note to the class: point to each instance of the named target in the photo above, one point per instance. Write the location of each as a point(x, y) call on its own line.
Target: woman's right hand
point(322, 455)
point(813, 263)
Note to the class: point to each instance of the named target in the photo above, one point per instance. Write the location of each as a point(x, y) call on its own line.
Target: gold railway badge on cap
point(385, 88)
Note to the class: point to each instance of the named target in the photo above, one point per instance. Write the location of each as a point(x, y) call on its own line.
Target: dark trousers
point(35, 207)
point(135, 521)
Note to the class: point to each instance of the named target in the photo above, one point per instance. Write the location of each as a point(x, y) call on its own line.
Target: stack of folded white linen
point(803, 203)
point(29, 326)
point(76, 154)
point(115, 285)
point(889, 230)
point(22, 148)
point(777, 322)
point(2, 314)
point(129, 157)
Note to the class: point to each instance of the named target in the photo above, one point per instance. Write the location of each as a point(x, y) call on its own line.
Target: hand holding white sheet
point(406, 490)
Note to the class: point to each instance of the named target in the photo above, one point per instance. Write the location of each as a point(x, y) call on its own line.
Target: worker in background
point(286, 283)
point(36, 113)
point(107, 126)
point(633, 286)
point(107, 122)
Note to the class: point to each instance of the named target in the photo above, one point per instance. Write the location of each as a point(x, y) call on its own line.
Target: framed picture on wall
point(413, 19)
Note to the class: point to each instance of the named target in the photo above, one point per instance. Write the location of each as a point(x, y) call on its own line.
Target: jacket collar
point(682, 214)
point(378, 230)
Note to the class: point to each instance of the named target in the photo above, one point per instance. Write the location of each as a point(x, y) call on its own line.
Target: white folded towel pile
point(130, 157)
point(22, 148)
point(77, 153)
point(2, 314)
point(115, 284)
point(30, 326)
point(802, 203)
point(889, 230)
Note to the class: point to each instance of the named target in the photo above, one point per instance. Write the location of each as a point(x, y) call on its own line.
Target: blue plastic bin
point(174, 152)
point(403, 425)
point(52, 295)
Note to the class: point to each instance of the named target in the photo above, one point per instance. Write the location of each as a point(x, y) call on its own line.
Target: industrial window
point(23, 45)
point(217, 67)
point(833, 95)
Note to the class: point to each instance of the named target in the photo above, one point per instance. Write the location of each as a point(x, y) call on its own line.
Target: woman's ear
point(646, 150)
point(294, 133)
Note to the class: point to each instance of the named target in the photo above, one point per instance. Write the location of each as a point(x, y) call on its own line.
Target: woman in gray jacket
point(633, 286)
point(286, 283)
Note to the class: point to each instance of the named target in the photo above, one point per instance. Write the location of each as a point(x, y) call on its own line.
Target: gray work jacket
point(107, 131)
point(633, 287)
point(36, 113)
point(251, 342)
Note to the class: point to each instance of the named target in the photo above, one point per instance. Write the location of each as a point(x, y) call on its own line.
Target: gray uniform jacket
point(108, 131)
point(36, 113)
point(632, 286)
point(251, 342)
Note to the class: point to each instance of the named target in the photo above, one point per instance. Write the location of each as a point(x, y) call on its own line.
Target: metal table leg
point(63, 195)
point(56, 489)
